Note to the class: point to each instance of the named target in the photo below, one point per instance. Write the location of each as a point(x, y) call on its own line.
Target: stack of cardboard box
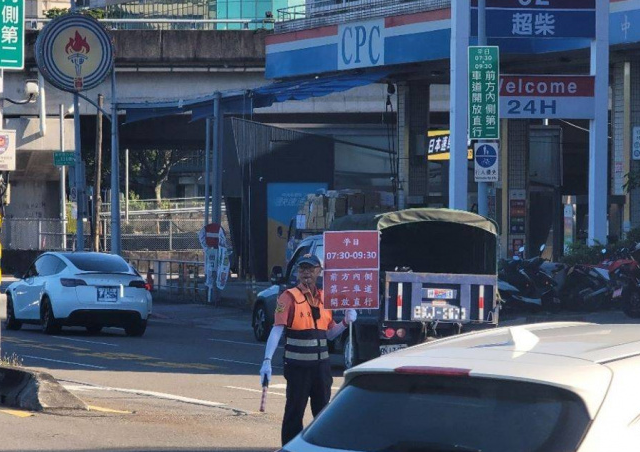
point(319, 210)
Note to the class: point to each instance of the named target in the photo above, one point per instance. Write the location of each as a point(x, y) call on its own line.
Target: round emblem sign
point(486, 155)
point(74, 53)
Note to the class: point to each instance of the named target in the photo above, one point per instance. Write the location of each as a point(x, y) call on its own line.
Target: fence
point(183, 279)
point(318, 13)
point(36, 23)
point(138, 234)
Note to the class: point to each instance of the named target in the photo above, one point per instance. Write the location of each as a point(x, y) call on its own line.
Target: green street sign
point(484, 74)
point(64, 158)
point(12, 34)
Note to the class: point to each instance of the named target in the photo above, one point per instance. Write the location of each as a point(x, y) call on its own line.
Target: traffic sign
point(7, 150)
point(486, 162)
point(484, 73)
point(351, 270)
point(64, 158)
point(12, 38)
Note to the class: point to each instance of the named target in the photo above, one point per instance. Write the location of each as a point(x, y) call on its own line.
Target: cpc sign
point(361, 44)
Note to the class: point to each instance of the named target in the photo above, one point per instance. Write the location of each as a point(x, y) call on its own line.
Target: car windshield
point(410, 413)
point(107, 263)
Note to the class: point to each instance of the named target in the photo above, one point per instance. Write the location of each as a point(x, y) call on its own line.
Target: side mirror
point(279, 231)
point(276, 275)
point(521, 249)
point(542, 247)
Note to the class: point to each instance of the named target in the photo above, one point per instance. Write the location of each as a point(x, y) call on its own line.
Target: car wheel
point(136, 329)
point(93, 329)
point(349, 352)
point(632, 306)
point(261, 327)
point(10, 322)
point(49, 323)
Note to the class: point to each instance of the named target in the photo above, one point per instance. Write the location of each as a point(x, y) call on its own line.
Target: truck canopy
point(430, 240)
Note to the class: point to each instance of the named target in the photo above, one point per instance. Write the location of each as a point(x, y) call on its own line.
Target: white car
point(553, 387)
point(93, 290)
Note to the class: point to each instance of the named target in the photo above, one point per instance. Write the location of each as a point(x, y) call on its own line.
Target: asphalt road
point(191, 383)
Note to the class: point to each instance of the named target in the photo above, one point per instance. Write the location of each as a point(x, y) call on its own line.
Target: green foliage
point(580, 253)
point(57, 12)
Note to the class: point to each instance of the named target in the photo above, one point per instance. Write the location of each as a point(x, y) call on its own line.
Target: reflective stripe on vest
point(306, 341)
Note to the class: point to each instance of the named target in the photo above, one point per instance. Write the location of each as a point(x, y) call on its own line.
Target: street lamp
point(63, 178)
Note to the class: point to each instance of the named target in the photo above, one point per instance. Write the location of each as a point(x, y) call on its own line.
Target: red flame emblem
point(77, 44)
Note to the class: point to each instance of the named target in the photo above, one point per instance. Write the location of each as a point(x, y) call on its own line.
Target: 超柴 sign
point(484, 73)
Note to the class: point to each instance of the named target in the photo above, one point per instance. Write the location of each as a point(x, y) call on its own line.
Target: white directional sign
point(486, 161)
point(547, 96)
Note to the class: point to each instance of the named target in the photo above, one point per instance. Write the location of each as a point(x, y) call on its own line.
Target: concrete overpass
point(151, 65)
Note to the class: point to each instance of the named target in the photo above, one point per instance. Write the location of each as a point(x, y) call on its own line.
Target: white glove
point(265, 371)
point(350, 316)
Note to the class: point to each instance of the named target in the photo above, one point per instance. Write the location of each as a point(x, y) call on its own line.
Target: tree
point(155, 165)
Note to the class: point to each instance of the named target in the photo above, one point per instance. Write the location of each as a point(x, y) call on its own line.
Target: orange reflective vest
point(306, 342)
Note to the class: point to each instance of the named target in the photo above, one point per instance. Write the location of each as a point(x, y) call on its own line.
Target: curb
point(35, 391)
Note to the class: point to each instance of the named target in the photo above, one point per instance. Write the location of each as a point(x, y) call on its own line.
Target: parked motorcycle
point(522, 283)
point(587, 287)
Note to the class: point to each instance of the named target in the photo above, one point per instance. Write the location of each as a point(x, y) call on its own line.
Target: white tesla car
point(93, 290)
point(553, 387)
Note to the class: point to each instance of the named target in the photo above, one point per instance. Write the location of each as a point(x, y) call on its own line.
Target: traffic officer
point(307, 369)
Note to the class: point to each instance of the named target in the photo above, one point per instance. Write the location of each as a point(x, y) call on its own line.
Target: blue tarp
point(244, 101)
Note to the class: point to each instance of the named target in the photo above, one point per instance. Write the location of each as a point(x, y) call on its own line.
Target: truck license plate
point(386, 349)
point(107, 294)
point(437, 312)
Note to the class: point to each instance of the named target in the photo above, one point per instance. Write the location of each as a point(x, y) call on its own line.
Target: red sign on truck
point(351, 270)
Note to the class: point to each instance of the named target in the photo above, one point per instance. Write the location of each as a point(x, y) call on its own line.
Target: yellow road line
point(107, 410)
point(17, 413)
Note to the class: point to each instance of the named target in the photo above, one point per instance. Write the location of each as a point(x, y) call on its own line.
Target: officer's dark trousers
point(304, 382)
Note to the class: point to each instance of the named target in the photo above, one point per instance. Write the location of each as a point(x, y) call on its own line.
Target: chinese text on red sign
point(351, 275)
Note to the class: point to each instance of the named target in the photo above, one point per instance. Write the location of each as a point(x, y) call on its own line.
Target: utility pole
point(97, 178)
point(483, 196)
point(63, 184)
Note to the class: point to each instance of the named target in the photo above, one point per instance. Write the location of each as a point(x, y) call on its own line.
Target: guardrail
point(36, 23)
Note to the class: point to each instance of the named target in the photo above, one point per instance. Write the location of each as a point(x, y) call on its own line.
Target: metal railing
point(313, 14)
point(36, 23)
point(148, 205)
point(138, 234)
point(184, 280)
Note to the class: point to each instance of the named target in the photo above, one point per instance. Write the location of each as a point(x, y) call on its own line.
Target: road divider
point(34, 391)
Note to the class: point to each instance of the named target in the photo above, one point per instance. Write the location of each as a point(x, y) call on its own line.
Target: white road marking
point(241, 362)
point(238, 342)
point(159, 395)
point(64, 362)
point(255, 390)
point(88, 342)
